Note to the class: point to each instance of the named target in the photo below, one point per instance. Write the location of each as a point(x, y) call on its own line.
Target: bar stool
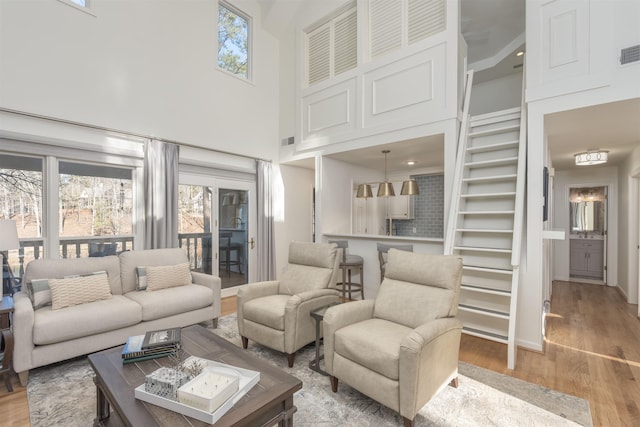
point(383, 250)
point(228, 247)
point(348, 263)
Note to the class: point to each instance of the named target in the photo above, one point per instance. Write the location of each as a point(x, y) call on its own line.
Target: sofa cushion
point(300, 278)
point(150, 257)
point(52, 326)
point(171, 301)
point(374, 343)
point(39, 292)
point(168, 276)
point(60, 268)
point(78, 290)
point(268, 311)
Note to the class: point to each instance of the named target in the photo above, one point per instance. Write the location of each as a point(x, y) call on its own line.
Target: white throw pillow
point(168, 276)
point(78, 290)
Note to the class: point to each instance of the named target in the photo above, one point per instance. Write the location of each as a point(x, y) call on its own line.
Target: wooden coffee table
point(267, 403)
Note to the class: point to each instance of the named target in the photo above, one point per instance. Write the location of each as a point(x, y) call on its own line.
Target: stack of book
point(151, 345)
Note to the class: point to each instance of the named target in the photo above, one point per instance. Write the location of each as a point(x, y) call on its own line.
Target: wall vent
point(288, 141)
point(630, 54)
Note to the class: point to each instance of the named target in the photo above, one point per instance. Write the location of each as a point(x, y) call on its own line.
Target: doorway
point(588, 234)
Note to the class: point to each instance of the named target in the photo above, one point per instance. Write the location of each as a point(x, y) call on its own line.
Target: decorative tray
point(246, 380)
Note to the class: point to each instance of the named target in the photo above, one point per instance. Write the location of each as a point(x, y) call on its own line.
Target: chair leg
point(454, 382)
point(214, 323)
point(407, 422)
point(334, 384)
point(245, 342)
point(290, 358)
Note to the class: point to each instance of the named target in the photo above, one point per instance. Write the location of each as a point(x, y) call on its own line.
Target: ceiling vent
point(630, 54)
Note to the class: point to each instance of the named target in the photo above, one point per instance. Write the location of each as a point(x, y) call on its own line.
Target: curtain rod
point(124, 133)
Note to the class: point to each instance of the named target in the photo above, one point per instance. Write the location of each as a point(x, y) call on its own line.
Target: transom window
point(234, 29)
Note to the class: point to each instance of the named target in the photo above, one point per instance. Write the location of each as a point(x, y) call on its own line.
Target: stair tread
point(490, 178)
point(493, 147)
point(496, 114)
point(487, 269)
point(510, 212)
point(481, 289)
point(481, 249)
point(492, 162)
point(494, 131)
point(494, 313)
point(485, 334)
point(483, 230)
point(485, 195)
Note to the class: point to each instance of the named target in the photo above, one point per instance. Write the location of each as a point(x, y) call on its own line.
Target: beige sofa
point(45, 335)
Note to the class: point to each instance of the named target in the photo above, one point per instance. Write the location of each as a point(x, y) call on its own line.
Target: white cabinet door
point(400, 207)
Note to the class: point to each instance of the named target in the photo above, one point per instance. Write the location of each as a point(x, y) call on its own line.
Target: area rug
point(63, 394)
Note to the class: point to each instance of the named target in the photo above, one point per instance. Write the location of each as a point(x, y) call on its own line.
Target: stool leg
point(344, 278)
point(362, 281)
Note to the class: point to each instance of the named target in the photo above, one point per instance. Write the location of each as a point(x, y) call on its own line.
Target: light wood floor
point(592, 351)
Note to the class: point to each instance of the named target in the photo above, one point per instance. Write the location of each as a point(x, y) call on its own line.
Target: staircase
point(485, 224)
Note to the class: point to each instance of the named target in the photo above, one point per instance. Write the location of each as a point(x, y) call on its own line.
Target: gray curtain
point(265, 234)
point(161, 194)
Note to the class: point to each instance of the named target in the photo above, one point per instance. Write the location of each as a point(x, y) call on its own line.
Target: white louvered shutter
point(345, 42)
point(385, 26)
point(425, 18)
point(319, 54)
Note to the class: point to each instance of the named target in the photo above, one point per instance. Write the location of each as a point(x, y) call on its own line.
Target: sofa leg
point(454, 382)
point(334, 384)
point(214, 323)
point(245, 342)
point(407, 422)
point(290, 358)
point(24, 378)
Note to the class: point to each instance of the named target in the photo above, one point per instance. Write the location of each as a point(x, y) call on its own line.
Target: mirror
point(586, 209)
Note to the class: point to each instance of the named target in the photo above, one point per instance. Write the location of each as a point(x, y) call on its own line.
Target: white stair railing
point(518, 223)
point(452, 222)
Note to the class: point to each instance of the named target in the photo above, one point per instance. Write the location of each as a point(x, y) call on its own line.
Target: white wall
point(293, 206)
point(139, 66)
point(496, 95)
point(629, 220)
point(587, 177)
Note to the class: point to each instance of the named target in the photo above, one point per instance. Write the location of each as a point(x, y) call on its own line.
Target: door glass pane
point(21, 201)
point(96, 209)
point(233, 215)
point(194, 226)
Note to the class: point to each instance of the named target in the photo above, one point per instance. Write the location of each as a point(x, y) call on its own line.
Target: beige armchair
point(276, 313)
point(401, 348)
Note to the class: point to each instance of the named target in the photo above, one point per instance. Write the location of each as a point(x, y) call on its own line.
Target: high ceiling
point(494, 31)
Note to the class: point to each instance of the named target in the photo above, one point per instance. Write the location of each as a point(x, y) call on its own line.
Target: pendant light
point(385, 189)
point(410, 188)
point(364, 191)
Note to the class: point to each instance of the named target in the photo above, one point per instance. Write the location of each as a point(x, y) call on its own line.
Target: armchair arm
point(299, 326)
point(253, 291)
point(428, 361)
point(338, 317)
point(22, 325)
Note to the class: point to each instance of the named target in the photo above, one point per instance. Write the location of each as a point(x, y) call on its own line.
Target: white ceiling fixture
point(592, 157)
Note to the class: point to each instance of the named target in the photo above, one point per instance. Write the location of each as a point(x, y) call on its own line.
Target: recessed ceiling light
point(520, 53)
point(411, 163)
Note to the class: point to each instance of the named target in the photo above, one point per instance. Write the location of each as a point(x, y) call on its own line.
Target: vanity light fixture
point(594, 157)
point(385, 189)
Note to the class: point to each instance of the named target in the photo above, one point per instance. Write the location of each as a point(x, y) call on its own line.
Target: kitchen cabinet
point(586, 259)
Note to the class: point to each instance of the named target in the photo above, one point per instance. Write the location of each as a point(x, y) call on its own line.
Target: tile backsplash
point(429, 209)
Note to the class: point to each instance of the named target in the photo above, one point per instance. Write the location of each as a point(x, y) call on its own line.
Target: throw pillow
point(141, 278)
point(168, 276)
point(39, 293)
point(78, 290)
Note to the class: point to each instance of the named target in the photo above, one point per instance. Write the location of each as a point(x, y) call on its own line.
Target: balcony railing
point(197, 246)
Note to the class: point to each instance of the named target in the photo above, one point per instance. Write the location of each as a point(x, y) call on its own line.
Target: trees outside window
point(233, 41)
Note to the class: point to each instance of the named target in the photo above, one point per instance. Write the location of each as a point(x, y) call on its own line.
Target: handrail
point(518, 218)
point(518, 221)
point(457, 175)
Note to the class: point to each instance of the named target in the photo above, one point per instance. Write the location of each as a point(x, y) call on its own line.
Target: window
point(233, 41)
point(332, 47)
point(395, 24)
point(21, 201)
point(95, 208)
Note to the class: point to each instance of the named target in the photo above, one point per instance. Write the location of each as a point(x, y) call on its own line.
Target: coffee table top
point(118, 381)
